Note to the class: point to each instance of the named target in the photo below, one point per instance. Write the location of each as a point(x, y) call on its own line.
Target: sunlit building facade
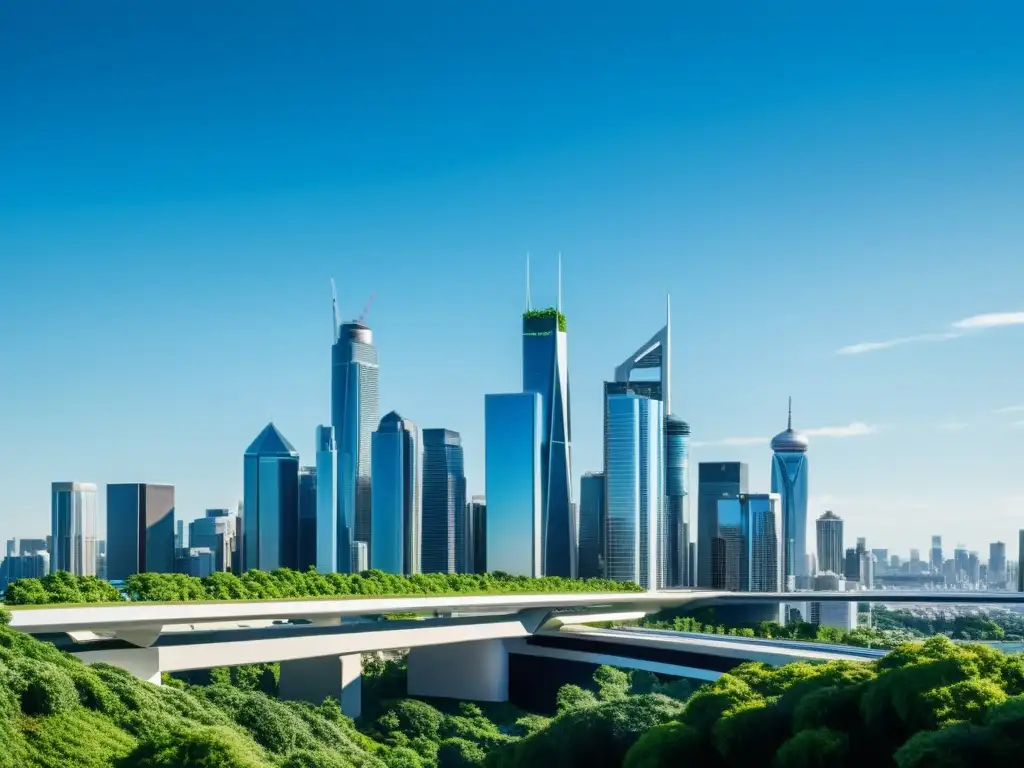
point(270, 525)
point(327, 552)
point(308, 482)
point(444, 503)
point(789, 480)
point(715, 481)
point(829, 528)
point(674, 536)
point(747, 544)
point(73, 526)
point(591, 557)
point(397, 484)
point(215, 531)
point(513, 430)
point(140, 529)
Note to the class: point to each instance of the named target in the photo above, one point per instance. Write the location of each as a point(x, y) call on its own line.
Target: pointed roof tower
point(270, 442)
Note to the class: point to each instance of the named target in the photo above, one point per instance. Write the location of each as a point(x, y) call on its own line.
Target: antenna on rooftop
point(334, 310)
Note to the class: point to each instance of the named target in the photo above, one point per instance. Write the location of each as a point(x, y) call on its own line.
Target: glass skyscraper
point(674, 536)
point(634, 486)
point(270, 524)
point(355, 413)
point(715, 481)
point(328, 555)
point(789, 480)
point(140, 529)
point(830, 543)
point(215, 531)
point(591, 559)
point(476, 517)
point(746, 546)
point(307, 517)
point(397, 483)
point(73, 522)
point(512, 458)
point(444, 503)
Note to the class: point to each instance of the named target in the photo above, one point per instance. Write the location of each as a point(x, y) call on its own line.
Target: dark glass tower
point(270, 522)
point(716, 481)
point(140, 529)
point(592, 526)
point(674, 550)
point(444, 547)
point(307, 518)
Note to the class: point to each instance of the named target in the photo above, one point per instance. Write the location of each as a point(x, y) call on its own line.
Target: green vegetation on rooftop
point(283, 584)
point(536, 314)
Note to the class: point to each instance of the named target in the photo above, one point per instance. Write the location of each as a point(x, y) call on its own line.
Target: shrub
point(46, 690)
point(459, 753)
point(209, 747)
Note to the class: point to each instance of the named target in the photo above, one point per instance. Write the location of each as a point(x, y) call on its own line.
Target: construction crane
point(366, 309)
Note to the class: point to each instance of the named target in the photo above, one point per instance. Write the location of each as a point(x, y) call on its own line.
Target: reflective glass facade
point(327, 503)
point(140, 529)
point(513, 429)
point(746, 546)
point(270, 525)
point(789, 480)
point(830, 543)
point(216, 532)
point(396, 497)
point(477, 520)
point(546, 372)
point(355, 413)
point(715, 481)
point(73, 524)
point(591, 558)
point(307, 517)
point(674, 536)
point(444, 503)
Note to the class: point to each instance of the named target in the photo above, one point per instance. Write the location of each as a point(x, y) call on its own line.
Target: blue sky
point(179, 181)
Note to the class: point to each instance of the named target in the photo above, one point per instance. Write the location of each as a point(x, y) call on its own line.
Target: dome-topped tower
point(790, 441)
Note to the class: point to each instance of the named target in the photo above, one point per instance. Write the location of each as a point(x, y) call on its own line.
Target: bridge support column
point(144, 663)
point(313, 680)
point(473, 671)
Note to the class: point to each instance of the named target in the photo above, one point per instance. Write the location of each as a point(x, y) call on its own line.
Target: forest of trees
point(63, 588)
point(931, 705)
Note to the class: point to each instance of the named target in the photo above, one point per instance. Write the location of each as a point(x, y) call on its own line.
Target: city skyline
point(869, 205)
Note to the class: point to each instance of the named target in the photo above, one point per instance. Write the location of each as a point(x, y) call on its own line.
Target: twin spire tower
point(558, 301)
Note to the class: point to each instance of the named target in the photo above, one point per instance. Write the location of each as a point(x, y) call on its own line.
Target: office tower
point(1020, 560)
point(747, 544)
point(591, 557)
point(829, 528)
point(24, 565)
point(396, 497)
point(73, 523)
point(359, 556)
point(894, 562)
point(26, 546)
point(862, 546)
point(973, 569)
point(674, 536)
point(444, 503)
point(215, 531)
point(512, 477)
point(634, 467)
point(270, 524)
point(715, 481)
point(961, 566)
point(851, 565)
point(140, 529)
point(915, 561)
point(867, 570)
point(199, 562)
point(355, 413)
point(997, 564)
point(936, 560)
point(477, 517)
point(307, 518)
point(329, 557)
point(179, 534)
point(789, 480)
point(881, 559)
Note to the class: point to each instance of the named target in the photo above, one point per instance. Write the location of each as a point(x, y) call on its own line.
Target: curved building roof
point(790, 441)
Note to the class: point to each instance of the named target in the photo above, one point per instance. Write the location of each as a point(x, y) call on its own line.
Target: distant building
point(27, 546)
point(34, 565)
point(444, 547)
point(329, 557)
point(997, 564)
point(748, 544)
point(140, 529)
point(179, 534)
point(307, 518)
point(397, 483)
point(215, 531)
point(270, 522)
point(851, 565)
point(936, 560)
point(360, 557)
point(867, 570)
point(789, 480)
point(881, 559)
point(716, 481)
point(477, 517)
point(973, 569)
point(842, 616)
point(73, 525)
point(830, 542)
point(195, 561)
point(674, 536)
point(512, 459)
point(591, 557)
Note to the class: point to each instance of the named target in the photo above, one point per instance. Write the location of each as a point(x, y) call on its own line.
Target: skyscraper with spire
point(355, 414)
point(789, 480)
point(546, 373)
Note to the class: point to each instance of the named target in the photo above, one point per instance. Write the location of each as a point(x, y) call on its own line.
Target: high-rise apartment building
point(179, 534)
point(715, 481)
point(215, 531)
point(936, 559)
point(789, 480)
point(851, 565)
point(830, 543)
point(444, 503)
point(307, 517)
point(591, 557)
point(997, 564)
point(634, 468)
point(476, 518)
point(1020, 560)
point(355, 414)
point(512, 476)
point(26, 565)
point(73, 524)
point(140, 529)
point(396, 498)
point(329, 557)
point(747, 545)
point(270, 524)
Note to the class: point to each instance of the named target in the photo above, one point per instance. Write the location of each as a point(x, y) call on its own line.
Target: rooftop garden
point(537, 314)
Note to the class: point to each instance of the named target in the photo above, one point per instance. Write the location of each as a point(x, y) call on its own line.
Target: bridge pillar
point(144, 663)
point(472, 671)
point(313, 680)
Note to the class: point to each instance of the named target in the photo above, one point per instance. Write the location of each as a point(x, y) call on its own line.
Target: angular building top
point(656, 353)
point(270, 442)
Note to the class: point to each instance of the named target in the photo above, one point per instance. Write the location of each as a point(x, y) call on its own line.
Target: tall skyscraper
point(215, 531)
point(477, 518)
point(715, 481)
point(789, 480)
point(634, 486)
point(330, 558)
point(546, 372)
point(307, 518)
point(830, 543)
point(355, 413)
point(591, 557)
point(444, 503)
point(73, 523)
point(997, 564)
point(512, 476)
point(747, 545)
point(397, 482)
point(936, 559)
point(179, 534)
point(140, 529)
point(1020, 560)
point(270, 524)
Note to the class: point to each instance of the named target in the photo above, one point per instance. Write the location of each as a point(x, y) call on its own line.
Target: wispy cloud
point(959, 328)
point(1010, 409)
point(855, 429)
point(952, 426)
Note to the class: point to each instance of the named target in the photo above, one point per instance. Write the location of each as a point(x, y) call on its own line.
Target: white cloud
point(855, 429)
point(952, 426)
point(1010, 409)
point(990, 320)
point(872, 346)
point(959, 328)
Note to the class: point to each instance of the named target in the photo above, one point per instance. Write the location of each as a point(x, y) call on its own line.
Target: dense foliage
point(983, 624)
point(532, 314)
point(63, 588)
